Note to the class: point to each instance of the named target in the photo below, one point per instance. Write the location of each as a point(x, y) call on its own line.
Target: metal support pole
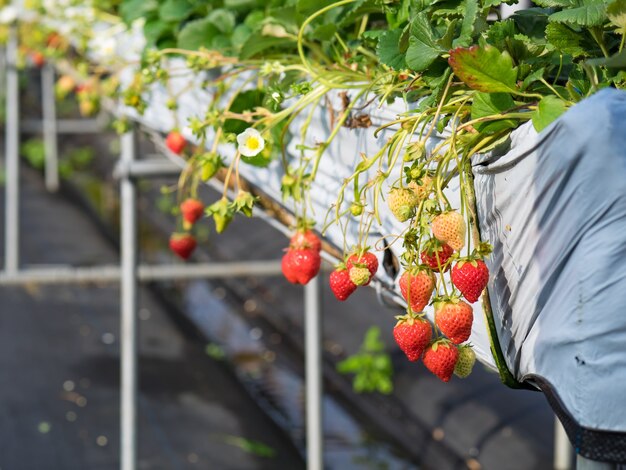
point(314, 392)
point(50, 128)
point(563, 451)
point(12, 185)
point(585, 464)
point(128, 331)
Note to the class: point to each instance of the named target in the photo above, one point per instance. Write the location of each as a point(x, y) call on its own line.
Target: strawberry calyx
point(410, 318)
point(441, 342)
point(440, 301)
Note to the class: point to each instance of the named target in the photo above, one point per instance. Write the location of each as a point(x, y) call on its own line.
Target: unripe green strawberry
point(465, 362)
point(416, 286)
point(454, 318)
point(440, 358)
point(450, 228)
point(359, 275)
point(402, 203)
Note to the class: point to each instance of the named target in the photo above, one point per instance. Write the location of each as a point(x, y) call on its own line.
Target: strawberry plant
point(468, 78)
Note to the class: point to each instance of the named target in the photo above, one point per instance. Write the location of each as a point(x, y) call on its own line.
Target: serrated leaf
point(423, 47)
point(176, 10)
point(557, 3)
point(388, 49)
point(590, 13)
point(616, 12)
point(549, 109)
point(324, 32)
point(484, 69)
point(490, 104)
point(565, 39)
point(196, 34)
point(467, 25)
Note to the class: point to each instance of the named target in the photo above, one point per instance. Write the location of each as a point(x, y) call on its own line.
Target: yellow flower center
point(252, 143)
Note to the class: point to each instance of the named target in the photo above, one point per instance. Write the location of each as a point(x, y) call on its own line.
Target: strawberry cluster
point(442, 350)
point(184, 243)
point(358, 269)
point(301, 261)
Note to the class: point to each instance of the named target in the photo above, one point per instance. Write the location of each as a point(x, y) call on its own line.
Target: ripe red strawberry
point(466, 361)
point(416, 286)
point(305, 239)
point(440, 358)
point(437, 254)
point(450, 228)
point(470, 276)
point(287, 267)
point(37, 58)
point(340, 283)
point(367, 260)
point(182, 244)
point(300, 266)
point(454, 318)
point(191, 210)
point(412, 333)
point(175, 142)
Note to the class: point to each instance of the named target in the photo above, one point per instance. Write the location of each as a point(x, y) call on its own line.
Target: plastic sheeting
point(554, 208)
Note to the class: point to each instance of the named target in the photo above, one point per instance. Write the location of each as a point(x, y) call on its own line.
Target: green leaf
point(590, 13)
point(467, 26)
point(550, 107)
point(565, 40)
point(490, 104)
point(324, 32)
point(258, 43)
point(533, 77)
point(388, 49)
point(130, 10)
point(175, 10)
point(616, 12)
point(423, 47)
point(484, 69)
point(154, 29)
point(245, 101)
point(223, 20)
point(616, 61)
point(196, 34)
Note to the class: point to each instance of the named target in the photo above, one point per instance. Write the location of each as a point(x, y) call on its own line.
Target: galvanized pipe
point(107, 274)
point(51, 170)
point(563, 451)
point(146, 168)
point(313, 373)
point(67, 126)
point(128, 329)
point(12, 163)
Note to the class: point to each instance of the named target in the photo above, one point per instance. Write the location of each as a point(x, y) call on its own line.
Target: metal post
point(50, 128)
point(314, 392)
point(563, 451)
point(585, 464)
point(12, 174)
point(128, 331)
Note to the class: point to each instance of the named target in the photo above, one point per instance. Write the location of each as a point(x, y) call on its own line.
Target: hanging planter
point(415, 137)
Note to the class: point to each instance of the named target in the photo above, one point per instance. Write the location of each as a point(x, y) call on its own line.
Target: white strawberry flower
point(8, 14)
point(250, 142)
